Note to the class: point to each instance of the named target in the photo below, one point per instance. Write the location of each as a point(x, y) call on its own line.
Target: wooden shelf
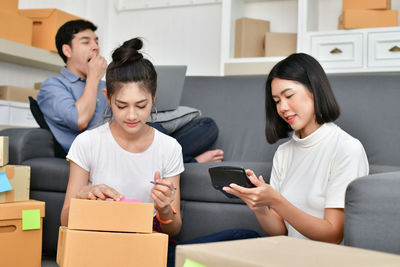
point(21, 54)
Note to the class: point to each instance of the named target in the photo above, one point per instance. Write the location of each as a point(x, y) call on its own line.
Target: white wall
point(188, 35)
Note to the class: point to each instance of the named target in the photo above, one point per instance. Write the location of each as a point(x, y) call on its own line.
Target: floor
point(49, 262)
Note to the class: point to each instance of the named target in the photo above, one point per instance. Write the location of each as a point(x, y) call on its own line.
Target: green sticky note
point(191, 263)
point(30, 219)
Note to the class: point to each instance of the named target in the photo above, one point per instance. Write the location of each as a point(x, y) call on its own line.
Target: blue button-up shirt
point(57, 99)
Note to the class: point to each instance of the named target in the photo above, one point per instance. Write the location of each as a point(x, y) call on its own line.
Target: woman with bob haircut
point(311, 171)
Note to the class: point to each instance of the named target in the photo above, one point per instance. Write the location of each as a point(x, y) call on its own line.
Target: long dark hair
point(129, 65)
point(306, 70)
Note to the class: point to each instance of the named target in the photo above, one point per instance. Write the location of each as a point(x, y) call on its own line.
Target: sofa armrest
point(28, 143)
point(373, 213)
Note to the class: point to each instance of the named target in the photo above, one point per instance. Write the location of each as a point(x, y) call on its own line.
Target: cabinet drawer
point(384, 49)
point(338, 51)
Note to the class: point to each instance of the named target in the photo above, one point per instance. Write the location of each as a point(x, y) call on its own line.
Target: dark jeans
point(195, 137)
point(227, 235)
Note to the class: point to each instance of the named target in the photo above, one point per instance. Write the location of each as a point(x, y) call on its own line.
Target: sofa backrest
point(237, 106)
point(369, 111)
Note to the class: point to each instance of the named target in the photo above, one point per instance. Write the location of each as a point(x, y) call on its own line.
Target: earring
point(155, 111)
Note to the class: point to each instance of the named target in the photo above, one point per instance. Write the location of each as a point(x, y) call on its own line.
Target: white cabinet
point(384, 49)
point(315, 21)
point(332, 50)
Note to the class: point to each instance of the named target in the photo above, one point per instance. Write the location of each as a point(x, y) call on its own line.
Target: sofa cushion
point(202, 218)
point(48, 174)
point(373, 213)
point(196, 182)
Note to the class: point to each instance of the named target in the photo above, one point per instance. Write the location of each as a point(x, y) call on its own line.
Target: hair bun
point(128, 52)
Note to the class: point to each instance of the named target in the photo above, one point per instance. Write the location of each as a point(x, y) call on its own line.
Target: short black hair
point(306, 70)
point(66, 33)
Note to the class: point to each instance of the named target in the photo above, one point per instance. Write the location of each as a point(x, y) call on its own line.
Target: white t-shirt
point(97, 152)
point(313, 173)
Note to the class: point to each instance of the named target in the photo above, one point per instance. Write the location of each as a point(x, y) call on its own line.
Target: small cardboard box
point(19, 178)
point(18, 94)
point(45, 25)
point(366, 4)
point(4, 144)
point(78, 248)
point(280, 44)
point(114, 216)
point(355, 19)
point(21, 233)
point(249, 37)
point(280, 251)
point(9, 5)
point(37, 86)
point(15, 28)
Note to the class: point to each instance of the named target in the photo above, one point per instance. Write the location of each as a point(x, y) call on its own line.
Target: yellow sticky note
point(30, 219)
point(192, 263)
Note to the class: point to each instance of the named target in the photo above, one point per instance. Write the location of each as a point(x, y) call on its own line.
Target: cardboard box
point(4, 145)
point(78, 248)
point(280, 44)
point(355, 19)
point(16, 114)
point(15, 28)
point(21, 233)
point(280, 251)
point(249, 37)
point(115, 216)
point(19, 178)
point(366, 4)
point(45, 25)
point(18, 94)
point(37, 86)
point(9, 5)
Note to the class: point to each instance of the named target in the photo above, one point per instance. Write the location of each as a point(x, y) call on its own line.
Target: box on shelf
point(4, 144)
point(280, 44)
point(16, 114)
point(110, 216)
point(21, 233)
point(36, 86)
point(45, 25)
point(355, 19)
point(366, 4)
point(280, 251)
point(18, 94)
point(19, 179)
point(15, 27)
point(249, 37)
point(9, 5)
point(77, 248)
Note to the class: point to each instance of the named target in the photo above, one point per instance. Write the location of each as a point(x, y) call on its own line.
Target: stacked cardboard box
point(367, 14)
point(46, 23)
point(254, 39)
point(15, 27)
point(21, 219)
point(108, 233)
point(18, 94)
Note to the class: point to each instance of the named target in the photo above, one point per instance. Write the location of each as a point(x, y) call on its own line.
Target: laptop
point(170, 81)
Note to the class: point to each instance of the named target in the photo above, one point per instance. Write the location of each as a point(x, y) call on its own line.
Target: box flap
point(37, 13)
point(13, 210)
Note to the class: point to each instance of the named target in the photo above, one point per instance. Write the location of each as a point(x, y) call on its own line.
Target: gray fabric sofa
point(370, 112)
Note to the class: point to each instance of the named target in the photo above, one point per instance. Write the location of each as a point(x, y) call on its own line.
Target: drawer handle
point(336, 51)
point(395, 49)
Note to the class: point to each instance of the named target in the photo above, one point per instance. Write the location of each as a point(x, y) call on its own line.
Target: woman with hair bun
point(126, 158)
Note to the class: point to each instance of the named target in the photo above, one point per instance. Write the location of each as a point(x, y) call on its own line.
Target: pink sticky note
point(130, 200)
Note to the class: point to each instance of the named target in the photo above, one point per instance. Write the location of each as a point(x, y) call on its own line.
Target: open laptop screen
point(170, 81)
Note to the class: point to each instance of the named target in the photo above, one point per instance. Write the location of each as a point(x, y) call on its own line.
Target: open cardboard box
point(280, 251)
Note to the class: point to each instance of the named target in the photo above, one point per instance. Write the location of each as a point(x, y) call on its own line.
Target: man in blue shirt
point(73, 101)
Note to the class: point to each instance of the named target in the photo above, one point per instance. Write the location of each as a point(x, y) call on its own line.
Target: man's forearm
point(86, 104)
